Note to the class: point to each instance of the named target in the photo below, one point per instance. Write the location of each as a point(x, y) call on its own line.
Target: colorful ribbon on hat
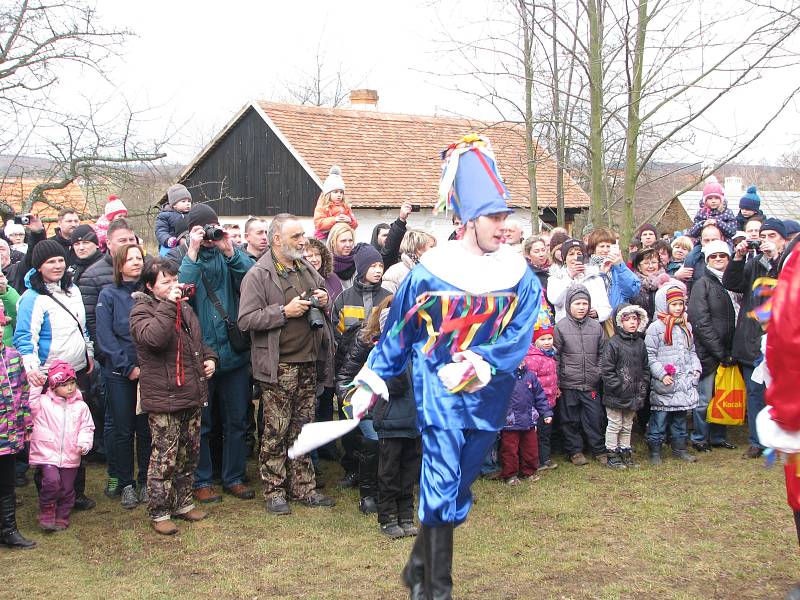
point(461, 316)
point(763, 290)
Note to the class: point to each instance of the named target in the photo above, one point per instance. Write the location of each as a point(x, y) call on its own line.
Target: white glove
point(468, 373)
point(361, 400)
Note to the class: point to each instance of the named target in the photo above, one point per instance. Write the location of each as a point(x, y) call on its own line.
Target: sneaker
point(112, 487)
point(753, 452)
point(129, 498)
point(548, 466)
point(83, 502)
point(393, 531)
point(317, 500)
point(193, 515)
point(350, 480)
point(206, 495)
point(614, 461)
point(513, 481)
point(144, 497)
point(578, 459)
point(408, 527)
point(165, 527)
point(532, 478)
point(277, 506)
point(240, 491)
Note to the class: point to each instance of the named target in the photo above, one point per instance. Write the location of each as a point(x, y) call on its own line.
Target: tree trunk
point(634, 125)
point(598, 167)
point(557, 126)
point(526, 21)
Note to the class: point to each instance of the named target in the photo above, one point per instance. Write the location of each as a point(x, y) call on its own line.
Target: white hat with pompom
point(334, 180)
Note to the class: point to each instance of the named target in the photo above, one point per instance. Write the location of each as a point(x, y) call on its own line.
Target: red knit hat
point(541, 332)
point(114, 208)
point(675, 293)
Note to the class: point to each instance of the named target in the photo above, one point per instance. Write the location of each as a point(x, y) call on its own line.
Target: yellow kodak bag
point(727, 407)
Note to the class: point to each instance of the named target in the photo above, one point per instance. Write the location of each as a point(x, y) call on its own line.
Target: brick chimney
point(364, 99)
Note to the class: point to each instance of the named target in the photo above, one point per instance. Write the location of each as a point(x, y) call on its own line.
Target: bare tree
point(320, 85)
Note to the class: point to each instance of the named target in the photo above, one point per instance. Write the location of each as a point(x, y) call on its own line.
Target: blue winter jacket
point(225, 277)
point(624, 286)
point(528, 402)
point(112, 313)
point(166, 224)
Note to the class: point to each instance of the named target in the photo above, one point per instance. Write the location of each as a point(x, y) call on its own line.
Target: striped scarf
point(670, 322)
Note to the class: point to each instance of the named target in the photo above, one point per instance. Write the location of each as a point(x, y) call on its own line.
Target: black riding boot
point(368, 476)
point(797, 524)
point(438, 561)
point(414, 571)
point(9, 534)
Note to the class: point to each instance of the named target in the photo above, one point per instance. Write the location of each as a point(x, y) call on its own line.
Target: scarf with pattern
point(671, 321)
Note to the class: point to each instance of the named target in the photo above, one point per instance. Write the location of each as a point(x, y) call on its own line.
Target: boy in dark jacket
point(519, 446)
point(179, 203)
point(625, 381)
point(579, 344)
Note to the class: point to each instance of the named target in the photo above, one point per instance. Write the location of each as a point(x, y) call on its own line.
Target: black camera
point(213, 233)
point(22, 219)
point(315, 317)
point(753, 244)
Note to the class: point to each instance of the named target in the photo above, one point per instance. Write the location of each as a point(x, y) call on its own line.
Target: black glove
point(728, 361)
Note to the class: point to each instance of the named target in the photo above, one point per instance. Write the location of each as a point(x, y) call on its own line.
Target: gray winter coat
point(682, 394)
point(579, 345)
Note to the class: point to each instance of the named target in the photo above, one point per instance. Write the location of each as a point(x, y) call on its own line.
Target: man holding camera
point(739, 277)
point(281, 298)
point(217, 268)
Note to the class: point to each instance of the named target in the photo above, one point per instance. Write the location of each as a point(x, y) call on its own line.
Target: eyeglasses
point(717, 256)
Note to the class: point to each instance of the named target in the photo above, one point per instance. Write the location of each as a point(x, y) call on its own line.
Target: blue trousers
point(703, 431)
point(233, 391)
point(451, 461)
point(755, 403)
point(121, 394)
point(660, 420)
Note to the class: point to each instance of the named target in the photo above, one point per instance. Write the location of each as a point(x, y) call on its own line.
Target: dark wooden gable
point(249, 171)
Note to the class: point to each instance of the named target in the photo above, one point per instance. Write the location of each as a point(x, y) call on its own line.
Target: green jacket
point(10, 299)
point(225, 277)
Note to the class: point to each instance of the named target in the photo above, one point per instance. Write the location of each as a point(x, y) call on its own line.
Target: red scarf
point(670, 322)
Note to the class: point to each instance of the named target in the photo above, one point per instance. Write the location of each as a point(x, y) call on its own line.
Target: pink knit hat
point(114, 208)
point(59, 373)
point(713, 188)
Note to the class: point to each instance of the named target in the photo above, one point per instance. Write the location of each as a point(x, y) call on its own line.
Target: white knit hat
point(334, 180)
point(716, 247)
point(12, 228)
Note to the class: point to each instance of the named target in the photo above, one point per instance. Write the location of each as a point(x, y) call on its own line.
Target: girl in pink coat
point(62, 432)
point(541, 361)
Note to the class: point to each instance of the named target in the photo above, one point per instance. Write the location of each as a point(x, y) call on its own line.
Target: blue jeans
point(657, 426)
point(121, 395)
point(232, 390)
point(703, 431)
point(490, 465)
point(755, 403)
point(368, 429)
point(108, 424)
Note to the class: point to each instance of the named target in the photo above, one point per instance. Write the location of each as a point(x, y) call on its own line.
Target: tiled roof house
point(14, 190)
point(273, 158)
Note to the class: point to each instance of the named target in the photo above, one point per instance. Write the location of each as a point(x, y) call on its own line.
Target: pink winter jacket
point(546, 369)
point(63, 430)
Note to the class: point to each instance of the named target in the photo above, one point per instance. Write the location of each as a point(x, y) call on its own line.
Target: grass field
point(719, 528)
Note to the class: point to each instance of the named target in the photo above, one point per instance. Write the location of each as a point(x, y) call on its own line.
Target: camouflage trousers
point(288, 405)
point(174, 454)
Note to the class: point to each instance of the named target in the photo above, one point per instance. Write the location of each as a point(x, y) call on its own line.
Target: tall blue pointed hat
point(471, 185)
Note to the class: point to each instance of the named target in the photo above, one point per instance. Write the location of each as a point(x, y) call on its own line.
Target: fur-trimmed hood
point(626, 309)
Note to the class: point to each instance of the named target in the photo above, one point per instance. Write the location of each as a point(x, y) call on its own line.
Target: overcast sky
point(196, 63)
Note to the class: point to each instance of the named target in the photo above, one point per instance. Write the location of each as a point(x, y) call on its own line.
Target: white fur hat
point(334, 180)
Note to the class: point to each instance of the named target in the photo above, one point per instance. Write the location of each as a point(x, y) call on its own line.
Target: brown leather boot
point(206, 495)
point(240, 491)
point(193, 515)
point(165, 527)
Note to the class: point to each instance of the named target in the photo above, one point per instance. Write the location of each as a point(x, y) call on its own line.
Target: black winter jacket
point(626, 376)
point(93, 280)
point(739, 277)
point(390, 253)
point(579, 345)
point(713, 320)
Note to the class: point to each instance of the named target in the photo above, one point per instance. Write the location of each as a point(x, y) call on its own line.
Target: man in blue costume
point(466, 315)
